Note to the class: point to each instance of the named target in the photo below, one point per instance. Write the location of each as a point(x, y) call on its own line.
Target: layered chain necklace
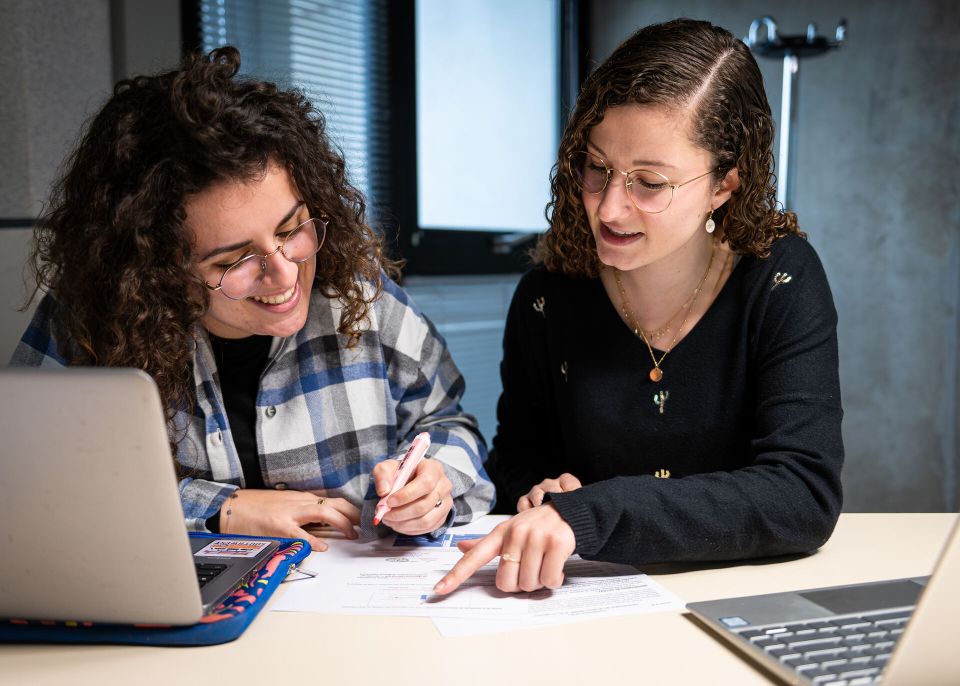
point(656, 374)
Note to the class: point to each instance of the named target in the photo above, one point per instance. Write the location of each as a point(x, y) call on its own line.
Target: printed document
point(395, 576)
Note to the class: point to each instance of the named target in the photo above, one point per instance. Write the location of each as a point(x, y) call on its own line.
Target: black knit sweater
point(741, 455)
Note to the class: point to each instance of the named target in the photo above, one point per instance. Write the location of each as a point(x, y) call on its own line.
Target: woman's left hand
point(562, 484)
point(423, 504)
point(532, 546)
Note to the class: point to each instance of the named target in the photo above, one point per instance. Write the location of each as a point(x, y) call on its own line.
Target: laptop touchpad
point(866, 598)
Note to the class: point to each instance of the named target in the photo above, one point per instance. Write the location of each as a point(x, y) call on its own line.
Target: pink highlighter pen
point(408, 463)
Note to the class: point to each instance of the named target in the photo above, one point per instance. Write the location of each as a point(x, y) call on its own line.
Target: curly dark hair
point(112, 246)
point(681, 64)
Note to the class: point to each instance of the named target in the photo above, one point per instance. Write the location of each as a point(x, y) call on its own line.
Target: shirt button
point(280, 486)
point(271, 411)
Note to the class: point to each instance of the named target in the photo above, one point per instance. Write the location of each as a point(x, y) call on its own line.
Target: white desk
point(667, 648)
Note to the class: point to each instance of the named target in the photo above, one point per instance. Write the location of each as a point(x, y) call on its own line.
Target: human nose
point(615, 202)
point(276, 268)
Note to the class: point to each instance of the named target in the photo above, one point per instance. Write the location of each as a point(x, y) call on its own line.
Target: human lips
point(279, 303)
point(278, 299)
point(617, 236)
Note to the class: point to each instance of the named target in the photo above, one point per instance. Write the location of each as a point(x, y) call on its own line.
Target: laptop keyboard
point(206, 572)
point(839, 651)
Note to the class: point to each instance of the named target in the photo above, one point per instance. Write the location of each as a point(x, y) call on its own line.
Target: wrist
point(226, 511)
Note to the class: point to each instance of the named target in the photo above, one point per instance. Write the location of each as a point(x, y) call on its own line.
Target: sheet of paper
point(394, 576)
point(390, 576)
point(591, 590)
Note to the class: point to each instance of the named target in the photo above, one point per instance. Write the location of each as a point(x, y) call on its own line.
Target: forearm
point(458, 446)
point(754, 512)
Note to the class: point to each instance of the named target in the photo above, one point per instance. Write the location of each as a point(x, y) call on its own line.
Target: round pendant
point(656, 374)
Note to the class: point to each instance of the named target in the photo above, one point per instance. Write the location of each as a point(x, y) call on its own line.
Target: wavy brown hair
point(707, 74)
point(112, 247)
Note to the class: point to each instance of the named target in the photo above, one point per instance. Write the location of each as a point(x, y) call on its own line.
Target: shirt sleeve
point(201, 500)
point(428, 388)
point(789, 497)
point(38, 347)
point(524, 451)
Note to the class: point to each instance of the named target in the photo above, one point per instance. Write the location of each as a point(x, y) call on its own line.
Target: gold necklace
point(665, 329)
point(656, 374)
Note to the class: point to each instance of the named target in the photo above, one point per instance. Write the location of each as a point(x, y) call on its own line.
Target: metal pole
point(788, 132)
point(791, 49)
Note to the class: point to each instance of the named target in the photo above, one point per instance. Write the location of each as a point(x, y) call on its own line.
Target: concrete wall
point(58, 63)
point(55, 66)
point(877, 190)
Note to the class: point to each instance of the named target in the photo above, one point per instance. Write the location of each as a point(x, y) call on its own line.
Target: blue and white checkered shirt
point(326, 413)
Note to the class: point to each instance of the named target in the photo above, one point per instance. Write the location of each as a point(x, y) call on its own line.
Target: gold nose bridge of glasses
point(281, 245)
point(262, 259)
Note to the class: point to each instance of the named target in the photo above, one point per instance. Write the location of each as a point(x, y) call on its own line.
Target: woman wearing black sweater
point(670, 382)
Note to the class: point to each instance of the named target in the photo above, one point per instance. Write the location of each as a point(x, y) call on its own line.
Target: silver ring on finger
point(439, 502)
point(507, 557)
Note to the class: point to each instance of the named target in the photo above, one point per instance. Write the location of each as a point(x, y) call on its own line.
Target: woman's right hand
point(284, 513)
point(564, 482)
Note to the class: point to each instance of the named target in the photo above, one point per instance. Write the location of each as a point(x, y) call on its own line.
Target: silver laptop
point(90, 518)
point(902, 631)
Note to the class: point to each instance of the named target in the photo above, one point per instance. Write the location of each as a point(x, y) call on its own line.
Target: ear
point(729, 184)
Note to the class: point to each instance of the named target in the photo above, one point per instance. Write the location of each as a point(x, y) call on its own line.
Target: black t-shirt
point(741, 455)
point(240, 362)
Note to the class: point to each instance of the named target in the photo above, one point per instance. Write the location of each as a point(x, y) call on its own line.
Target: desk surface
point(281, 647)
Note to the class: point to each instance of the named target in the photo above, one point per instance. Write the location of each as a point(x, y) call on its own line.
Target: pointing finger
point(468, 545)
point(484, 550)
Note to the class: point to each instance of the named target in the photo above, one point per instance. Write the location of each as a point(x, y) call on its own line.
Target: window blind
point(336, 51)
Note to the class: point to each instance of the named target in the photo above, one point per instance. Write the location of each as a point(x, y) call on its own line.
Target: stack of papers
point(396, 575)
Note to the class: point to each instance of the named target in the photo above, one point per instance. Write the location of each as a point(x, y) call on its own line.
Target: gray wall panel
point(56, 69)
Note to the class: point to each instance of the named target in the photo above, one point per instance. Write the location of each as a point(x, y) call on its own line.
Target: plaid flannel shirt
point(326, 413)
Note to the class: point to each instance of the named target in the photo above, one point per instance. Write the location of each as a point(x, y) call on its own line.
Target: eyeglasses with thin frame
point(243, 278)
point(650, 191)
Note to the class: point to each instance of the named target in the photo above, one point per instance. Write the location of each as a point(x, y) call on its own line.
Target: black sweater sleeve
point(788, 498)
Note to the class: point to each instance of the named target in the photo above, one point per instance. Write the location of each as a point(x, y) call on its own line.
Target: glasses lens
point(589, 171)
point(304, 241)
point(243, 279)
point(651, 192)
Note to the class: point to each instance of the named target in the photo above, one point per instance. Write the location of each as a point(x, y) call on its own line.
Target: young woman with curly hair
point(670, 381)
point(205, 232)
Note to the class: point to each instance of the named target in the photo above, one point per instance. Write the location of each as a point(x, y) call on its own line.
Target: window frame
point(438, 251)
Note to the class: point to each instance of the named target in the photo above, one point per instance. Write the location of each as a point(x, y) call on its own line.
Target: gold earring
point(711, 225)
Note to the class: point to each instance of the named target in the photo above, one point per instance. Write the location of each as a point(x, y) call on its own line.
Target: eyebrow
point(636, 163)
point(236, 246)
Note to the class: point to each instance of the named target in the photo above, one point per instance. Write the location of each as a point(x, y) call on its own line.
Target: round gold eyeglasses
point(650, 191)
point(243, 278)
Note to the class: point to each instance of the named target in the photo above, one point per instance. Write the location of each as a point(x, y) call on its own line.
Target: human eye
point(653, 186)
point(648, 181)
point(293, 226)
point(224, 266)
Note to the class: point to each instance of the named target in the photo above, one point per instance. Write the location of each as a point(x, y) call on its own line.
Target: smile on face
point(236, 218)
point(648, 137)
